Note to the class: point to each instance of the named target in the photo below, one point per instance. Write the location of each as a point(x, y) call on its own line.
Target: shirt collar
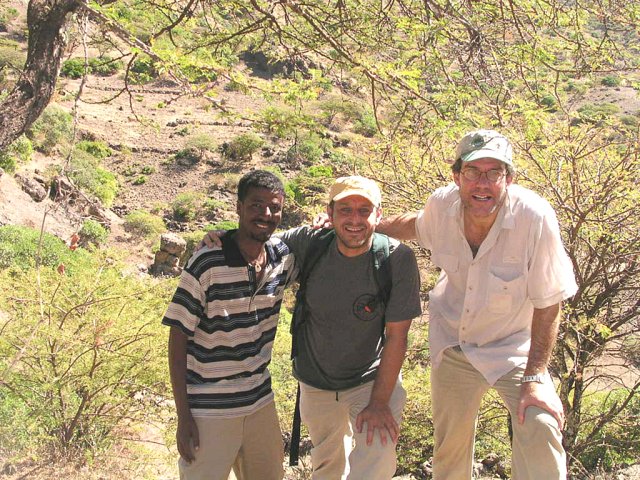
point(232, 253)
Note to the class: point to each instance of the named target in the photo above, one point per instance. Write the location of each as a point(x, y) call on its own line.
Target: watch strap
point(538, 378)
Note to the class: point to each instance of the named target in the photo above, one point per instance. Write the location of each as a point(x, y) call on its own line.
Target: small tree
point(92, 358)
point(591, 174)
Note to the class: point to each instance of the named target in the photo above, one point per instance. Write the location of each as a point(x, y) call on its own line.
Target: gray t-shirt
point(340, 344)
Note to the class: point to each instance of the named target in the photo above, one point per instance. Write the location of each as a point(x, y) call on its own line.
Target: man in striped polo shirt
point(223, 320)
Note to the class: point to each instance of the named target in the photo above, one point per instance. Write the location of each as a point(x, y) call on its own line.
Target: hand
point(187, 438)
point(211, 239)
point(542, 395)
point(378, 416)
point(321, 220)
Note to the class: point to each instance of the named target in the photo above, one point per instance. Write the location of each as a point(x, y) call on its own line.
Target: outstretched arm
point(544, 332)
point(402, 226)
point(377, 414)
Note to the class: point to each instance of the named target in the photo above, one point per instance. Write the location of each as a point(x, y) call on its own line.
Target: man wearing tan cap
point(350, 338)
point(495, 310)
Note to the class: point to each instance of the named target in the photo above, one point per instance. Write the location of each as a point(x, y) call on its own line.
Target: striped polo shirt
point(230, 322)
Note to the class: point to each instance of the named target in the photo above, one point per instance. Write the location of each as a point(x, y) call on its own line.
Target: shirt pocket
point(505, 289)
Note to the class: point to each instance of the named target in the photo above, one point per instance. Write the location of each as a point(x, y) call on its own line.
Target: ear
point(456, 178)
point(238, 206)
point(508, 180)
point(378, 214)
point(330, 210)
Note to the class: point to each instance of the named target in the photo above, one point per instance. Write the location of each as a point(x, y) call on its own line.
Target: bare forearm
point(544, 332)
point(178, 370)
point(393, 354)
point(402, 227)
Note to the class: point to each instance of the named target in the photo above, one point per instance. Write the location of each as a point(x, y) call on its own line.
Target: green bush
point(338, 106)
point(223, 225)
point(611, 81)
point(19, 248)
point(593, 113)
point(86, 173)
point(186, 206)
point(140, 180)
point(210, 205)
point(98, 149)
point(93, 233)
point(243, 146)
point(202, 142)
point(308, 149)
point(53, 127)
point(105, 66)
point(19, 152)
point(143, 70)
point(309, 184)
point(73, 68)
point(616, 445)
point(187, 157)
point(93, 366)
point(576, 87)
point(630, 121)
point(144, 224)
point(195, 149)
point(280, 122)
point(549, 101)
point(320, 171)
point(199, 73)
point(366, 125)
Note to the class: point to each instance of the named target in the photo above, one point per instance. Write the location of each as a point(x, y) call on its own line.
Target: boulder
point(173, 244)
point(34, 189)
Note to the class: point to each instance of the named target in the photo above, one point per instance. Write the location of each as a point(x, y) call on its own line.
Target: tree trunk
point(46, 20)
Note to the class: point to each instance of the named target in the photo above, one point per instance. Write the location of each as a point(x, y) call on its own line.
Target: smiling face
point(482, 198)
point(354, 219)
point(259, 213)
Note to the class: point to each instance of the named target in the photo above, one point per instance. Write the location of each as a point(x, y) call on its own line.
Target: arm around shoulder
point(402, 226)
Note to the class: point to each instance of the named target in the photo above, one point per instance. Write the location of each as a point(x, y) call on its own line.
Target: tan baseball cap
point(355, 185)
point(484, 144)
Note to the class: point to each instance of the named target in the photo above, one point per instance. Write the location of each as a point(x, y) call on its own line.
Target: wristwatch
point(538, 378)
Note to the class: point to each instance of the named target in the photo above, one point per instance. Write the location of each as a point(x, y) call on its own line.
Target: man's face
point(354, 219)
point(260, 213)
point(482, 198)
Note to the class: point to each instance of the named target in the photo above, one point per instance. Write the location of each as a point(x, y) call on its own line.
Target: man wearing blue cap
point(495, 310)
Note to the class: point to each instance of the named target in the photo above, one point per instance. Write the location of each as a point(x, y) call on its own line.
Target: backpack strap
point(318, 246)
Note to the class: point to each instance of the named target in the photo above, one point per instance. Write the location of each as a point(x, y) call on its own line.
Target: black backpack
point(316, 249)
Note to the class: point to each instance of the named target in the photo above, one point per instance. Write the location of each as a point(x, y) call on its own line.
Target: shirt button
point(466, 310)
point(470, 287)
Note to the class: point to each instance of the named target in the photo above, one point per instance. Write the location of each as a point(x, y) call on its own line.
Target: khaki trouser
point(339, 452)
point(457, 389)
point(251, 445)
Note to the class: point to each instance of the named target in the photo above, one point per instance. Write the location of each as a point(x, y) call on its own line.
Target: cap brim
point(482, 153)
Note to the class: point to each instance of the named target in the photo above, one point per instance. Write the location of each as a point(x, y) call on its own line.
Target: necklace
point(256, 263)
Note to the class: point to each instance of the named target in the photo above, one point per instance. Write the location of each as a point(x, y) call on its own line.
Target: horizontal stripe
point(230, 327)
point(229, 400)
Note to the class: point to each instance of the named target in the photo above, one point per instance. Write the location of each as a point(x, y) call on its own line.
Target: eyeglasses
point(473, 174)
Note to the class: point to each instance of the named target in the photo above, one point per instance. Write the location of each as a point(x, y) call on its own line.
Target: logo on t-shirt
point(367, 307)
